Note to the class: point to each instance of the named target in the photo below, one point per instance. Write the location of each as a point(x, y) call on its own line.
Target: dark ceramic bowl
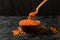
point(32, 28)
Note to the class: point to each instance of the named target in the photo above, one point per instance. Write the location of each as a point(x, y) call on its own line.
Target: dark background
point(23, 7)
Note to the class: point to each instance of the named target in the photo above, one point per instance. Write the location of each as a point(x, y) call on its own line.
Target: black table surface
point(8, 23)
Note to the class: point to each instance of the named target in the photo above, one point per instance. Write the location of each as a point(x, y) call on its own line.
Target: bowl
point(31, 26)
